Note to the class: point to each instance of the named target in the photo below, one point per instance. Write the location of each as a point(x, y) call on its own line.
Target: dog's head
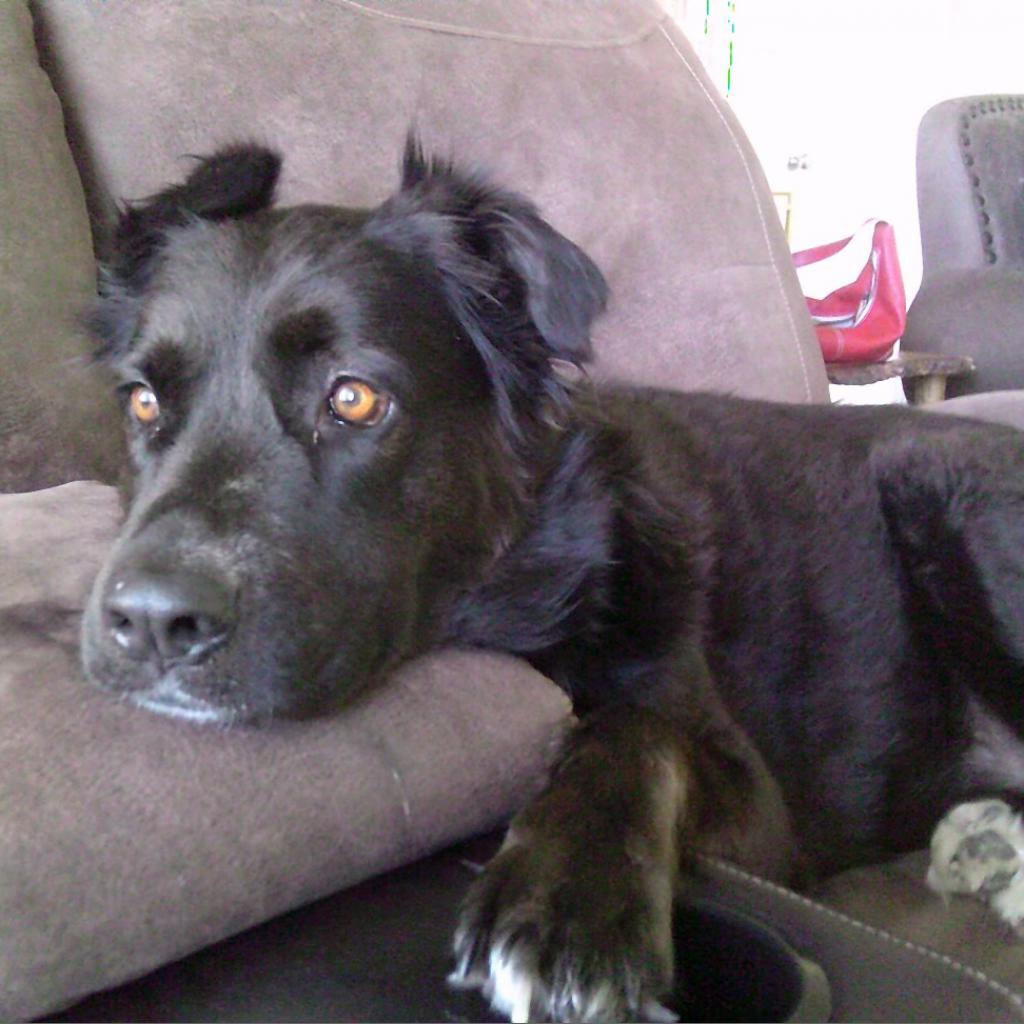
point(329, 414)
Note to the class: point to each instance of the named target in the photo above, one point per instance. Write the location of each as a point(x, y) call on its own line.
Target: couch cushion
point(601, 112)
point(57, 419)
point(127, 840)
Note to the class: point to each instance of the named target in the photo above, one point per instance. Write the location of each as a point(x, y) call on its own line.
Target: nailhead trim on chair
point(994, 105)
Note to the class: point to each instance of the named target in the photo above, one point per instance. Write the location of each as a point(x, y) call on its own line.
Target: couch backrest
point(599, 111)
point(970, 158)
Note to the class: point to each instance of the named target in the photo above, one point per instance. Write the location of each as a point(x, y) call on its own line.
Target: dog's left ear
point(498, 255)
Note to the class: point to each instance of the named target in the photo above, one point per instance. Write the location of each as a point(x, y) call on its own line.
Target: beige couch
point(127, 842)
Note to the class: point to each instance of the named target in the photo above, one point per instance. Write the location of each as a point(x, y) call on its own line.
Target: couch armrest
point(995, 406)
point(875, 973)
point(127, 840)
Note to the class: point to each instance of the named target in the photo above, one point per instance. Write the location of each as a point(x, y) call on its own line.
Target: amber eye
point(357, 403)
point(144, 405)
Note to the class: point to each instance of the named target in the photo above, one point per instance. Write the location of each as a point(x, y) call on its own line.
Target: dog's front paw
point(546, 935)
point(978, 849)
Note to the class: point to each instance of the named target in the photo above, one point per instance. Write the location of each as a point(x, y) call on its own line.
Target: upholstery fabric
point(57, 420)
point(600, 112)
point(978, 313)
point(378, 951)
point(127, 841)
point(969, 154)
point(338, 959)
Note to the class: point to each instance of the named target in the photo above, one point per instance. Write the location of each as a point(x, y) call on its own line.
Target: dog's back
point(822, 630)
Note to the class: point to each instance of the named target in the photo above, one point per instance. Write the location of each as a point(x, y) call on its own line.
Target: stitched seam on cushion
point(973, 973)
point(505, 37)
point(757, 204)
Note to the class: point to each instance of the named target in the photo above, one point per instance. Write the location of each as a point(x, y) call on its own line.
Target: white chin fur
point(170, 700)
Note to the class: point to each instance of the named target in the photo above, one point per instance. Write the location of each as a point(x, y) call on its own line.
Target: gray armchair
point(970, 187)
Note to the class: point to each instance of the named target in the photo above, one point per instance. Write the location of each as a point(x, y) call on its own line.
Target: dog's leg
point(572, 920)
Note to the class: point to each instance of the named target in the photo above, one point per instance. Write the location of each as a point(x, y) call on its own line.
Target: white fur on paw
point(508, 985)
point(514, 990)
point(978, 849)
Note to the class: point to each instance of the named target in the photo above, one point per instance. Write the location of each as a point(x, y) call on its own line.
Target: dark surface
point(379, 951)
point(732, 967)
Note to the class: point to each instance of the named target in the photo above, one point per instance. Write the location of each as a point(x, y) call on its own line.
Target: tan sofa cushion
point(57, 420)
point(599, 111)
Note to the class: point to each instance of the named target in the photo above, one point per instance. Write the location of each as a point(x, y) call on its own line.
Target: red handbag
point(854, 292)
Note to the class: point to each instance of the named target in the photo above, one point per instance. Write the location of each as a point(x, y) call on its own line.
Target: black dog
point(793, 632)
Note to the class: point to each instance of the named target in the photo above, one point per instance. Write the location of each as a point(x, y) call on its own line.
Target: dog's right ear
point(232, 182)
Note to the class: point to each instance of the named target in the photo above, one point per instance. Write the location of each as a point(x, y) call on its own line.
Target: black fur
point(795, 613)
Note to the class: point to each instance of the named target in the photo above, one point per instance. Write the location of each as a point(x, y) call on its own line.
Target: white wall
point(846, 82)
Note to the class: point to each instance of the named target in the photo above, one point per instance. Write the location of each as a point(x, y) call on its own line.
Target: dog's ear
point(522, 293)
point(515, 250)
point(232, 182)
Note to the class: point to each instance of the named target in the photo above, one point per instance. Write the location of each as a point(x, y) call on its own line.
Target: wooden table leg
point(928, 389)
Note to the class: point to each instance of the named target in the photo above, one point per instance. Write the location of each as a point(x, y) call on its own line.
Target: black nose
point(168, 617)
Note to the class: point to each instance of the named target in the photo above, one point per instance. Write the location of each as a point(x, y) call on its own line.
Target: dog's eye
point(143, 403)
point(356, 403)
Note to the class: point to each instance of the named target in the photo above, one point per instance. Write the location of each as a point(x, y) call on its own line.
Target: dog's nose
point(168, 617)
